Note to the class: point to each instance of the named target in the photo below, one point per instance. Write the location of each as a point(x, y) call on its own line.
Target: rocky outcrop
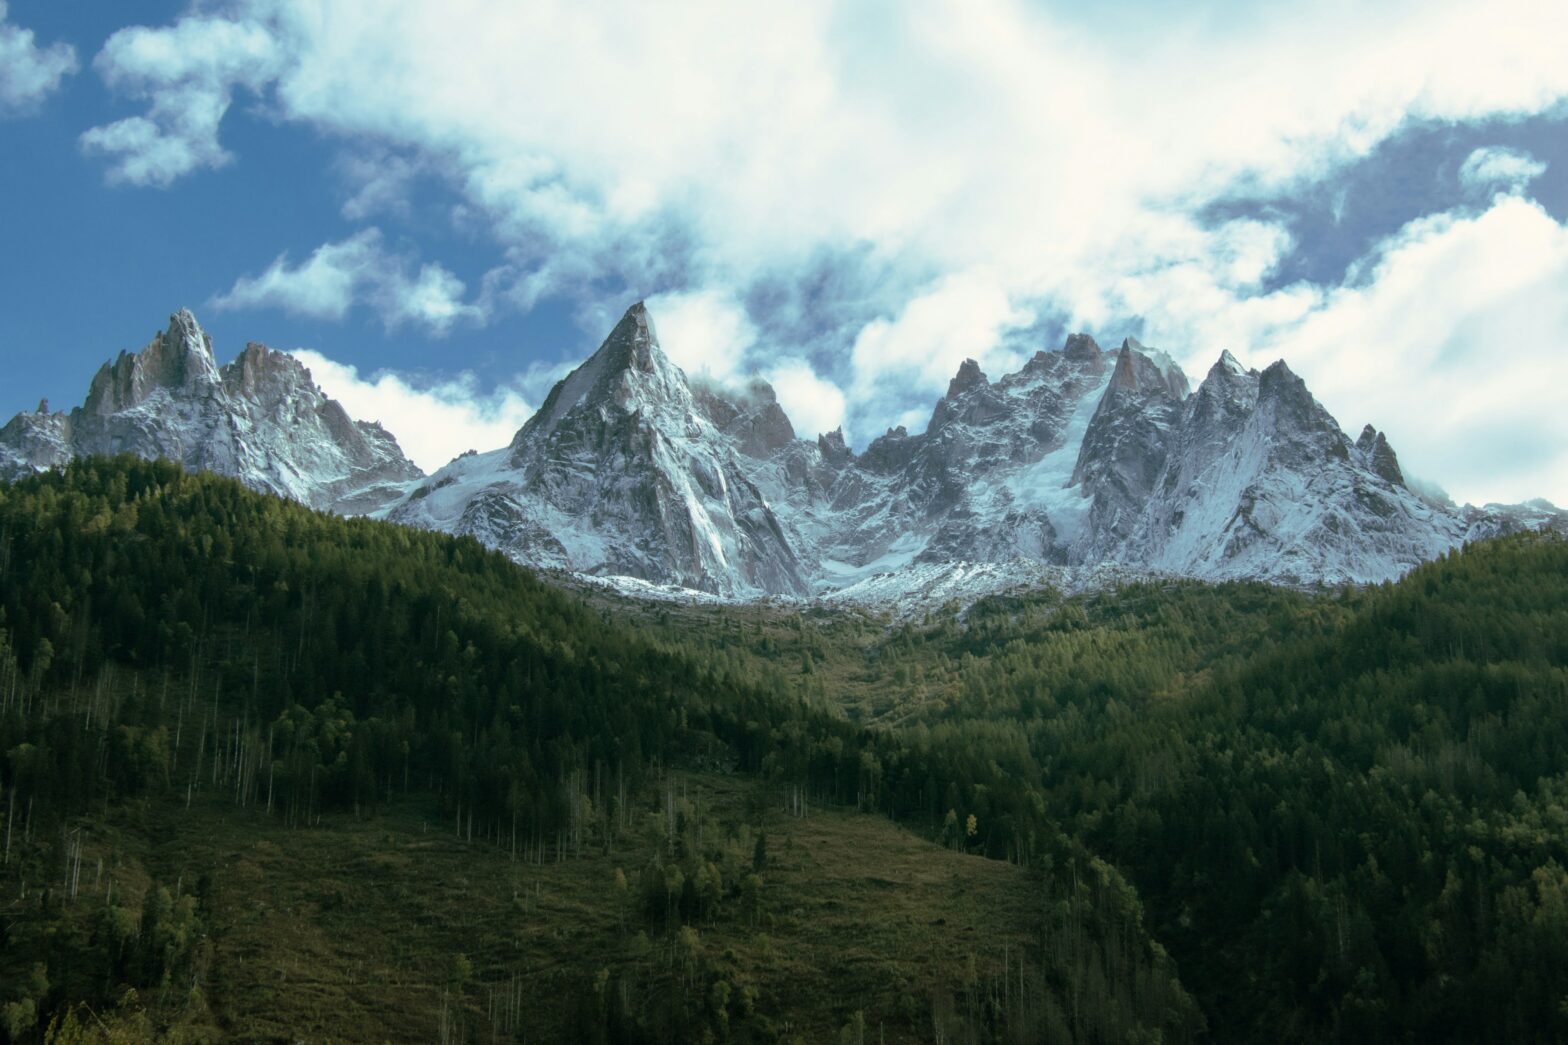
point(260, 419)
point(1085, 463)
point(623, 471)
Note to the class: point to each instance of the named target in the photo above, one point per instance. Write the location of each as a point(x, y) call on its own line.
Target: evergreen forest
point(270, 774)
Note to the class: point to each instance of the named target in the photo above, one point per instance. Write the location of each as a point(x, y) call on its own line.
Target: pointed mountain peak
point(1379, 455)
point(178, 359)
point(632, 343)
point(1227, 365)
point(628, 372)
point(182, 355)
point(1125, 377)
point(761, 391)
point(1081, 348)
point(1147, 371)
point(969, 376)
point(43, 406)
point(1279, 379)
point(184, 326)
point(639, 316)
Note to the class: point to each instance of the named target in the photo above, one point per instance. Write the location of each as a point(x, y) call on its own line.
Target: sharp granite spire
point(260, 419)
point(1084, 459)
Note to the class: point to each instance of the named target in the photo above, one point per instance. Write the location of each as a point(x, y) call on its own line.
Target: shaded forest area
point(168, 639)
point(1243, 812)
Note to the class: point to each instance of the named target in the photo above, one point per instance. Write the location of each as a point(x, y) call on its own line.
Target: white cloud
point(990, 158)
point(434, 298)
point(188, 73)
point(337, 276)
point(1454, 341)
point(322, 287)
point(962, 317)
point(813, 405)
point(1457, 347)
point(705, 333)
point(29, 73)
point(432, 422)
point(1494, 167)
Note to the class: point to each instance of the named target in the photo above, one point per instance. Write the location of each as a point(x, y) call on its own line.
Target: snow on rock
point(620, 473)
point(260, 419)
point(1086, 468)
point(910, 592)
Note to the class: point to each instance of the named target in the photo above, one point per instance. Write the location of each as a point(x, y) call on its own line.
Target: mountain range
point(1084, 465)
point(260, 419)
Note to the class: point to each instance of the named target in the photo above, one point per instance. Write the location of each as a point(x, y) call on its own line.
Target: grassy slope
point(351, 930)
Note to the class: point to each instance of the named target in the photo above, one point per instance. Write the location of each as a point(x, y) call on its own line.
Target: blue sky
point(444, 205)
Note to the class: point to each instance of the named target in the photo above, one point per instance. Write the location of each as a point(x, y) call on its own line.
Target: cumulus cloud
point(813, 405)
point(188, 74)
point(433, 422)
point(1457, 346)
point(962, 317)
point(1498, 168)
point(1452, 338)
point(337, 276)
point(991, 161)
point(29, 73)
point(706, 333)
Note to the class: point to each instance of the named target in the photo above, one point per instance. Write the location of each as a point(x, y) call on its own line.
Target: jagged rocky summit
point(1084, 459)
point(260, 419)
point(1085, 468)
point(623, 471)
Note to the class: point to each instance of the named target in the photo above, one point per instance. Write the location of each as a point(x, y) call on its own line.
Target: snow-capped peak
point(1228, 364)
point(259, 419)
point(629, 370)
point(1094, 462)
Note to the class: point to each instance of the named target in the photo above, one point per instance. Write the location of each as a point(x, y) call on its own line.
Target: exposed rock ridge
point(260, 419)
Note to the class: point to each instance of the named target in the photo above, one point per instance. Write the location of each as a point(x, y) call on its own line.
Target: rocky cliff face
point(1084, 467)
point(1093, 462)
point(259, 419)
point(1254, 479)
point(622, 471)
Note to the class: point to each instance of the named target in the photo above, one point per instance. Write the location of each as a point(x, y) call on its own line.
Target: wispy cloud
point(188, 74)
point(1495, 167)
point(339, 275)
point(29, 73)
point(380, 181)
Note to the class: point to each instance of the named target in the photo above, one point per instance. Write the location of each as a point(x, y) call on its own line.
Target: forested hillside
point(1233, 812)
point(172, 645)
point(1343, 811)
